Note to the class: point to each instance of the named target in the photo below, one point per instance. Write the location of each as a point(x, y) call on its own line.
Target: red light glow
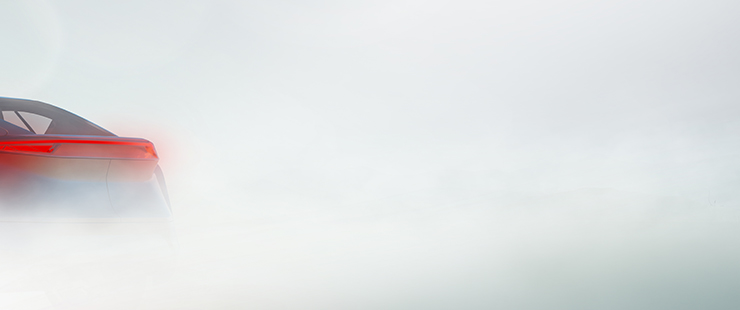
point(99, 148)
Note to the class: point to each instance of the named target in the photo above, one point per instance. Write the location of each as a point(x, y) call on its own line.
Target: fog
point(394, 154)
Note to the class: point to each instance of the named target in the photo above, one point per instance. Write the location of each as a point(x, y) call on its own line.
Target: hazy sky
point(416, 154)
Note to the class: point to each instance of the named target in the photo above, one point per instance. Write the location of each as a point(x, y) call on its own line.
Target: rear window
point(29, 121)
point(13, 129)
point(35, 117)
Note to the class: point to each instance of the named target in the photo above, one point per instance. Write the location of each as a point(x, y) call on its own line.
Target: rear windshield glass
point(13, 129)
point(34, 117)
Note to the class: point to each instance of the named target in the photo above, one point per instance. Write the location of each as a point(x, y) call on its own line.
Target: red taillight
point(27, 148)
point(81, 158)
point(89, 148)
point(151, 151)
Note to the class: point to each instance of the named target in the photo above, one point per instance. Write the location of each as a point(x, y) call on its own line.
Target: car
point(58, 166)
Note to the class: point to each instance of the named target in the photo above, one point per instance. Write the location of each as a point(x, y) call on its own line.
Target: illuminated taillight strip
point(27, 148)
point(48, 145)
point(52, 141)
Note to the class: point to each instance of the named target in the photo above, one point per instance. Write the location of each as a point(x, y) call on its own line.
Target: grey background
point(405, 154)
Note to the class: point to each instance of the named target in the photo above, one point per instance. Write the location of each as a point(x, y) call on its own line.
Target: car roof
point(63, 121)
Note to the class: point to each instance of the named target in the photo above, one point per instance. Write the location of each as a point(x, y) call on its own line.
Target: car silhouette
point(57, 166)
